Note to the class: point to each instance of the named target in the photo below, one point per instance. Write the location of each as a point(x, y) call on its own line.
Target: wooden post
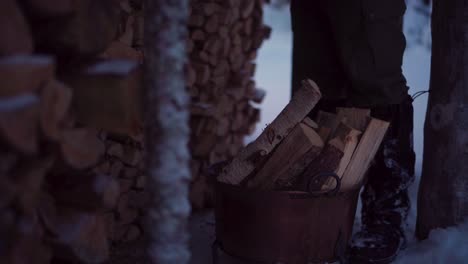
point(167, 130)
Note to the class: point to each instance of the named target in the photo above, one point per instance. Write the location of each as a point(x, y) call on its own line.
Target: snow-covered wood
point(167, 130)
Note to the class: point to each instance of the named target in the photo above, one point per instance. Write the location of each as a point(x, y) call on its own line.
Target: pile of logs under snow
point(71, 178)
point(224, 38)
point(297, 153)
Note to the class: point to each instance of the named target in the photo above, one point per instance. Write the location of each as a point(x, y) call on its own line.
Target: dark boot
point(385, 201)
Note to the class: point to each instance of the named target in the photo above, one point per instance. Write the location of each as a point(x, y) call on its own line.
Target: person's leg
point(385, 200)
point(314, 53)
point(371, 44)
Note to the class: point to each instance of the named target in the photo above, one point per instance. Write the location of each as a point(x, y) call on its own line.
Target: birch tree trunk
point(167, 131)
point(443, 193)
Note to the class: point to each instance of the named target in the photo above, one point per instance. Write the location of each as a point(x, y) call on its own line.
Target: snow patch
point(120, 67)
point(448, 245)
point(17, 102)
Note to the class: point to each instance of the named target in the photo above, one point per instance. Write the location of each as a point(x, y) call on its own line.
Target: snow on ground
point(274, 75)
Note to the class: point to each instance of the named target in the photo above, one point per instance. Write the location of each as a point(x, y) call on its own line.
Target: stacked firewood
point(72, 154)
point(296, 153)
point(71, 177)
point(223, 44)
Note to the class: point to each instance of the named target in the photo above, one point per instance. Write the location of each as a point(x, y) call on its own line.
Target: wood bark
point(299, 106)
point(442, 197)
point(300, 141)
point(327, 162)
point(167, 131)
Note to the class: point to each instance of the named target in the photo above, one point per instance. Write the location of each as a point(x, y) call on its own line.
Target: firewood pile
point(71, 142)
point(71, 177)
point(223, 44)
point(297, 153)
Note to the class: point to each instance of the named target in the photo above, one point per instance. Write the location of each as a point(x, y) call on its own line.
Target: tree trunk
point(443, 199)
point(167, 130)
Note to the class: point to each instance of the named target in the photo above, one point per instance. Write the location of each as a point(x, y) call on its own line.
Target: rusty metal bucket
point(260, 226)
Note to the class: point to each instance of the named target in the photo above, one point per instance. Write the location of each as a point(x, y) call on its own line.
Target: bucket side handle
point(310, 189)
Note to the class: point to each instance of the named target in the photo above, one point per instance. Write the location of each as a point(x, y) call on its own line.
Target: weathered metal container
point(283, 226)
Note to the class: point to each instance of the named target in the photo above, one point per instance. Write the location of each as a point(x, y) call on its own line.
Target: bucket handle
point(317, 178)
point(311, 192)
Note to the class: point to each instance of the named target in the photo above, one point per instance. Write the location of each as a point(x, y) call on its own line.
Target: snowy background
point(274, 75)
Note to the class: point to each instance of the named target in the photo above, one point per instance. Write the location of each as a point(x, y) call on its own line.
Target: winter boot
point(385, 200)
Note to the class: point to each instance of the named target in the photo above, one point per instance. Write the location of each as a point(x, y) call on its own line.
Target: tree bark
point(167, 130)
point(443, 199)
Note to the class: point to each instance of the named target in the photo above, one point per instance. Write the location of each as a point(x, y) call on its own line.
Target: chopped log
point(310, 123)
point(127, 37)
point(118, 50)
point(327, 123)
point(138, 199)
point(116, 168)
point(15, 32)
point(327, 162)
point(23, 73)
point(86, 33)
point(202, 73)
point(198, 35)
point(88, 192)
point(212, 46)
point(81, 236)
point(212, 24)
point(349, 138)
point(247, 9)
point(191, 76)
point(55, 100)
point(357, 118)
point(19, 122)
point(210, 8)
point(116, 150)
point(131, 156)
point(364, 154)
point(125, 214)
point(107, 96)
point(299, 106)
point(300, 141)
point(81, 148)
point(203, 144)
point(196, 20)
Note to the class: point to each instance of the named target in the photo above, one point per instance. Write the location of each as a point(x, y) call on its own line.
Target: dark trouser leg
point(385, 198)
point(385, 201)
